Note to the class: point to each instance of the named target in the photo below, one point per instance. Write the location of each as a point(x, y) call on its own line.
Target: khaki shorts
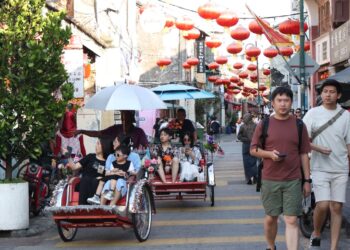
point(329, 186)
point(282, 197)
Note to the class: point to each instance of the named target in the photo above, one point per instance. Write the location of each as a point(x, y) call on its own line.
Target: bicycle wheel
point(142, 219)
point(66, 234)
point(21, 171)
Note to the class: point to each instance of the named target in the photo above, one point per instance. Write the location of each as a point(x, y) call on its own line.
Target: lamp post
point(302, 58)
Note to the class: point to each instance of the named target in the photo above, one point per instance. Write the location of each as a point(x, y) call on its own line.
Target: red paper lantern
point(307, 46)
point(231, 86)
point(240, 34)
point(240, 83)
point(208, 11)
point(192, 61)
point(234, 48)
point(184, 24)
point(270, 52)
point(238, 65)
point(266, 72)
point(213, 66)
point(213, 78)
point(251, 67)
point(236, 91)
point(255, 27)
point(185, 65)
point(163, 62)
point(169, 22)
point(243, 75)
point(254, 91)
point(253, 52)
point(213, 43)
point(227, 19)
point(262, 87)
point(291, 27)
point(234, 79)
point(286, 51)
point(221, 60)
point(245, 94)
point(192, 34)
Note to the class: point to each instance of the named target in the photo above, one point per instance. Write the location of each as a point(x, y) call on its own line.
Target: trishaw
point(134, 210)
point(189, 190)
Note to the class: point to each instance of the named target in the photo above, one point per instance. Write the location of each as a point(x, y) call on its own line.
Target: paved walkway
point(40, 224)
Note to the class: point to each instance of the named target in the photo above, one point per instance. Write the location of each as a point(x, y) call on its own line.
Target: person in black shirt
point(121, 166)
point(92, 169)
point(186, 124)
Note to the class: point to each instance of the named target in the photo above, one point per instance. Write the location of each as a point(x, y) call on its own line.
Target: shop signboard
point(340, 45)
point(201, 54)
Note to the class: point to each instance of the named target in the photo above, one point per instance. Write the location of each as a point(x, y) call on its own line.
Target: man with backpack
point(329, 130)
point(284, 153)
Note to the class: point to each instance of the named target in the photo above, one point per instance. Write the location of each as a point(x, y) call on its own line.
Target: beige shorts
point(329, 186)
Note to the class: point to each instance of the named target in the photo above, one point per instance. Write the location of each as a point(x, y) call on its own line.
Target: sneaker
point(315, 241)
point(109, 195)
point(95, 200)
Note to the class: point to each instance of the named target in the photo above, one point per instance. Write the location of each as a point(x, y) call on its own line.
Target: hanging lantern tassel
point(253, 59)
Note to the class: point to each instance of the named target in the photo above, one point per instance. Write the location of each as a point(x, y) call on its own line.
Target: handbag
point(326, 125)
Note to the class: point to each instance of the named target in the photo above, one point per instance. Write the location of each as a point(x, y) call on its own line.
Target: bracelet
point(307, 181)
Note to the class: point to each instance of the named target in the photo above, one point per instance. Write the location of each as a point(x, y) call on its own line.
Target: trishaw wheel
point(142, 219)
point(66, 234)
point(212, 196)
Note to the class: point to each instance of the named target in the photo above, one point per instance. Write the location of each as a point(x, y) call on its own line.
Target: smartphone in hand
point(282, 155)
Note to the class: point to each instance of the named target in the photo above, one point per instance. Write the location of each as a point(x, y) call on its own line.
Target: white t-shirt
point(335, 137)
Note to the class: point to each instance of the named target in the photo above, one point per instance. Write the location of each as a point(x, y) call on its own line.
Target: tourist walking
point(329, 130)
point(245, 136)
point(283, 153)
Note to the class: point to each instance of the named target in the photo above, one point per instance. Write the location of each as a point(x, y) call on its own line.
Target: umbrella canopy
point(170, 92)
point(125, 97)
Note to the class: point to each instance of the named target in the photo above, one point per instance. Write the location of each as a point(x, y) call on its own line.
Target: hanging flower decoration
point(163, 63)
point(208, 11)
point(212, 146)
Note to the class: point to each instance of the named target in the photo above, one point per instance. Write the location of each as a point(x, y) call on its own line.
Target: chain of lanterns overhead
point(237, 85)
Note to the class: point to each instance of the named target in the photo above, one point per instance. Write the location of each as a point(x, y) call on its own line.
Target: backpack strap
point(300, 126)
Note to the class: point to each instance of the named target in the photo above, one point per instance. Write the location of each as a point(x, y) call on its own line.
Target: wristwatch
point(307, 180)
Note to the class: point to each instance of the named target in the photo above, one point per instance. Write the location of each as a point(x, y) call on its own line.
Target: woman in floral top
point(167, 156)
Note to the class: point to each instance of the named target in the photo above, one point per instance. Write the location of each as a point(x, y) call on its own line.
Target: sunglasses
point(118, 155)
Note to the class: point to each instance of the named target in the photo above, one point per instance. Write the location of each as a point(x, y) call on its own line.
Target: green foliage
point(31, 78)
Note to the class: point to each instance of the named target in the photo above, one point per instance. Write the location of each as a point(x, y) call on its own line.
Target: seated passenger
point(121, 168)
point(190, 156)
point(133, 157)
point(92, 169)
point(167, 157)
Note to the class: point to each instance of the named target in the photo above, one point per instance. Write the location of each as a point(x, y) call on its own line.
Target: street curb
point(37, 226)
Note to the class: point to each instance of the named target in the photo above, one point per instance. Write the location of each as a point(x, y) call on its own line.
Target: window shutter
point(340, 11)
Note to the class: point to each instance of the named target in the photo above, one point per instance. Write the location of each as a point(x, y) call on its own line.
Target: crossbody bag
point(326, 125)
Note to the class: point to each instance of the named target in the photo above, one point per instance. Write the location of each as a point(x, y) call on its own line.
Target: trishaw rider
point(186, 124)
point(127, 128)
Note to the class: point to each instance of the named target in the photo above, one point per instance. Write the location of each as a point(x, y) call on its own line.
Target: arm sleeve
point(135, 160)
point(256, 136)
point(198, 155)
point(109, 161)
point(131, 168)
point(82, 146)
point(305, 142)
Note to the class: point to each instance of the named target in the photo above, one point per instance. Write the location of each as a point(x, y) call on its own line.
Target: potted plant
point(31, 76)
